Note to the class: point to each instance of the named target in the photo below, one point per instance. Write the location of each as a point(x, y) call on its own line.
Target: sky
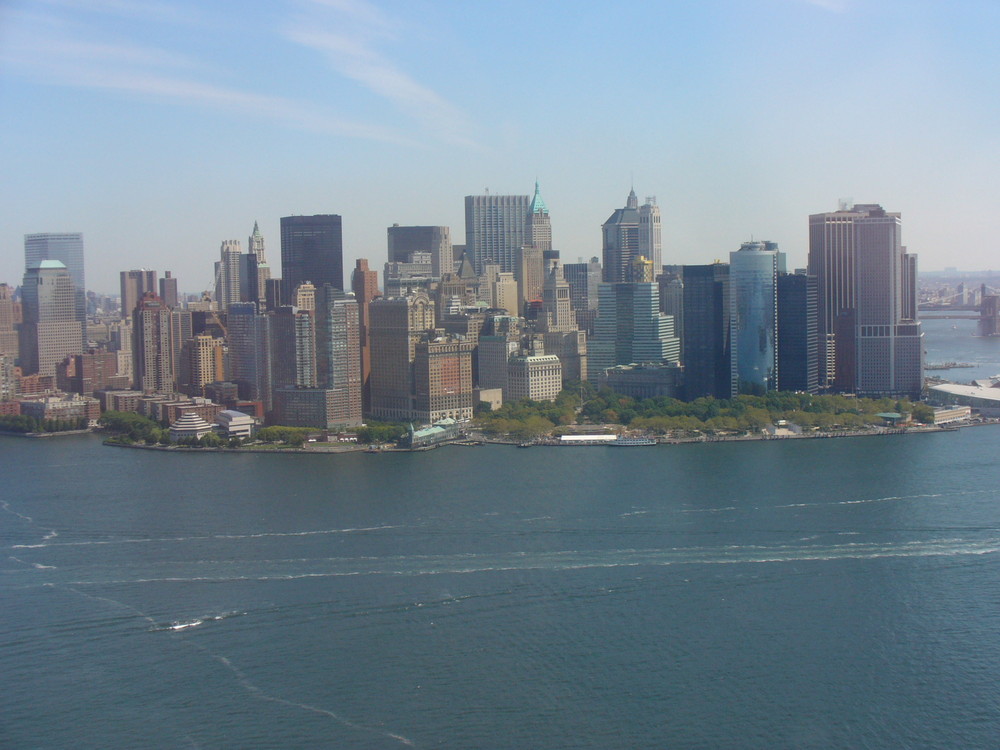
point(160, 129)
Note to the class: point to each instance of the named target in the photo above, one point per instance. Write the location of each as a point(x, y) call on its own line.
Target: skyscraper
point(706, 358)
point(168, 290)
point(51, 328)
point(227, 281)
point(396, 325)
point(405, 241)
point(629, 233)
point(868, 328)
point(630, 328)
point(260, 270)
point(364, 284)
point(798, 352)
point(152, 346)
point(134, 284)
point(753, 317)
point(8, 330)
point(249, 352)
point(496, 226)
point(312, 249)
point(68, 248)
point(539, 224)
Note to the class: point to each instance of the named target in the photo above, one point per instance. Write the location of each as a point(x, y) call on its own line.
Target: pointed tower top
point(256, 230)
point(633, 201)
point(537, 204)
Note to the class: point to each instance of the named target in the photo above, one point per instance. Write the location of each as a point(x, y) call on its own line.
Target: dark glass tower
point(312, 249)
point(706, 355)
point(798, 346)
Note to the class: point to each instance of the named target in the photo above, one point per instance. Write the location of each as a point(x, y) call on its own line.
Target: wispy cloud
point(51, 50)
point(348, 33)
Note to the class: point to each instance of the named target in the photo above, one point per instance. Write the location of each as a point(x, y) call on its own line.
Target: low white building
point(235, 424)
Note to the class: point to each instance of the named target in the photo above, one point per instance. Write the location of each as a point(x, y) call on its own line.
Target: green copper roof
point(537, 204)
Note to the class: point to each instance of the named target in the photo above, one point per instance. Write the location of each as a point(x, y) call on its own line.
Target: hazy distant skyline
point(160, 129)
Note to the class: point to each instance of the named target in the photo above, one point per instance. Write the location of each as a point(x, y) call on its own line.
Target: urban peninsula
point(497, 339)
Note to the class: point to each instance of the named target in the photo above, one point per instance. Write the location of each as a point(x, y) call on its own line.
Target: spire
point(537, 204)
point(633, 201)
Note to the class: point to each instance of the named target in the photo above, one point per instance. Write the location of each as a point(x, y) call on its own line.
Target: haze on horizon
point(159, 129)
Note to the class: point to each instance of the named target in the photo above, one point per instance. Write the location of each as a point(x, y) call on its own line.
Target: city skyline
point(742, 121)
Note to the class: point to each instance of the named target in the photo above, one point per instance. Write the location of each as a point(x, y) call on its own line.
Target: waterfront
point(816, 593)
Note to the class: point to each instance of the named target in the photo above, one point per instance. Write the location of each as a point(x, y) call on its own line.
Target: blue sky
point(159, 129)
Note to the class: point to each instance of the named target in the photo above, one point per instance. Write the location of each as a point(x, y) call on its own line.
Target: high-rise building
point(364, 284)
point(558, 327)
point(630, 328)
point(539, 223)
point(51, 328)
point(706, 357)
point(530, 275)
point(583, 279)
point(338, 353)
point(152, 346)
point(535, 376)
point(753, 317)
point(396, 325)
point(227, 280)
point(168, 290)
point(201, 364)
point(249, 352)
point(798, 350)
point(312, 249)
point(405, 241)
point(870, 338)
point(68, 248)
point(442, 378)
point(629, 233)
point(496, 226)
point(259, 269)
point(135, 284)
point(8, 330)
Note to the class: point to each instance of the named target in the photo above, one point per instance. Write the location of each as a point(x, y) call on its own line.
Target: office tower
point(530, 274)
point(304, 296)
point(152, 346)
point(182, 328)
point(583, 279)
point(258, 269)
point(121, 344)
point(630, 328)
point(539, 224)
point(868, 329)
point(501, 289)
point(798, 352)
point(753, 317)
point(135, 284)
point(558, 327)
point(312, 249)
point(227, 280)
point(51, 328)
point(89, 372)
point(396, 325)
point(496, 226)
point(338, 353)
point(442, 378)
point(629, 233)
point(8, 331)
point(436, 241)
point(498, 341)
point(168, 290)
point(364, 284)
point(283, 348)
point(706, 358)
point(535, 376)
point(249, 352)
point(672, 300)
point(413, 276)
point(68, 248)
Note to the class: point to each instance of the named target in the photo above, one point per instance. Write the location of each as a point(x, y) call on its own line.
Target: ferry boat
point(631, 442)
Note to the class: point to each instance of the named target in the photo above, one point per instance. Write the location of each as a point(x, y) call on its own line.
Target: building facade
point(51, 328)
point(312, 249)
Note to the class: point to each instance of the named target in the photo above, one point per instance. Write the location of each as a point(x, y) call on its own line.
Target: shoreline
point(550, 443)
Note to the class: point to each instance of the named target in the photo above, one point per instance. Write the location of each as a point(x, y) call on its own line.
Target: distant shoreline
point(327, 449)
